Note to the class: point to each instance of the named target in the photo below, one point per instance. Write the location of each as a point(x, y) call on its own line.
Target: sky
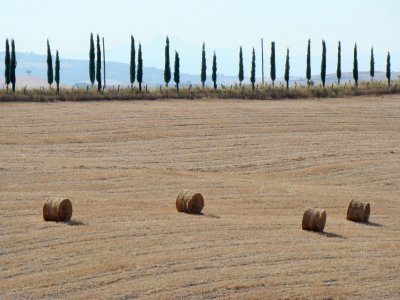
point(224, 25)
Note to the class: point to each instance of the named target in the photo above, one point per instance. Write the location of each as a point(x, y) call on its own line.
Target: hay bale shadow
point(212, 216)
point(200, 214)
point(373, 224)
point(75, 223)
point(331, 235)
point(205, 215)
point(370, 224)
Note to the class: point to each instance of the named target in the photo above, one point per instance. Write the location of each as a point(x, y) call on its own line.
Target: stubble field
point(258, 164)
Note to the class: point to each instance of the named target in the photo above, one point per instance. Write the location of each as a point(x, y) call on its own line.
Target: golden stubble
point(258, 165)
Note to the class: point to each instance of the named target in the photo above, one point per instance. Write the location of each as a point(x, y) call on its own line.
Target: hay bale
point(358, 211)
point(189, 202)
point(58, 210)
point(314, 219)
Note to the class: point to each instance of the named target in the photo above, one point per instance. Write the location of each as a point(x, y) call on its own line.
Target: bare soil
point(258, 164)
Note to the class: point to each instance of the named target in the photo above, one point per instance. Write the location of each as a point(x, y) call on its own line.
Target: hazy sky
point(224, 26)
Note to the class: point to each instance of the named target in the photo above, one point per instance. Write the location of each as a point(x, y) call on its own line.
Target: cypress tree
point(262, 61)
point(253, 69)
point(133, 62)
point(214, 71)
point(92, 67)
point(308, 70)
point(241, 69)
point(273, 64)
point(98, 65)
point(104, 64)
point(176, 71)
point(339, 63)
point(57, 70)
point(140, 68)
point(7, 64)
point(287, 69)
point(13, 65)
point(203, 65)
point(372, 65)
point(49, 65)
point(355, 66)
point(167, 69)
point(323, 64)
point(388, 68)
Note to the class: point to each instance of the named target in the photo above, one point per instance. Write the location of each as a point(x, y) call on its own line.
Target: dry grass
point(262, 92)
point(258, 164)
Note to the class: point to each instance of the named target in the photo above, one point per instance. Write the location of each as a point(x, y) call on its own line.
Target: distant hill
point(75, 72)
point(29, 82)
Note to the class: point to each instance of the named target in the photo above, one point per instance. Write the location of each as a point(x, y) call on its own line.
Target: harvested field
point(258, 164)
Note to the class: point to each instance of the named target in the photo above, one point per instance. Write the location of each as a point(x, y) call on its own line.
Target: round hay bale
point(189, 202)
point(179, 201)
point(358, 211)
point(58, 210)
point(314, 219)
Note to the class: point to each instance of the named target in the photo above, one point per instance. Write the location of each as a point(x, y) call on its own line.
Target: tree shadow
point(75, 223)
point(331, 235)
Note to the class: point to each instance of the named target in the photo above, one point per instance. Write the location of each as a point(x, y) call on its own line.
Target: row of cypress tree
point(50, 77)
point(167, 67)
point(203, 76)
point(214, 68)
point(308, 68)
point(95, 68)
point(339, 65)
point(136, 74)
point(10, 62)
